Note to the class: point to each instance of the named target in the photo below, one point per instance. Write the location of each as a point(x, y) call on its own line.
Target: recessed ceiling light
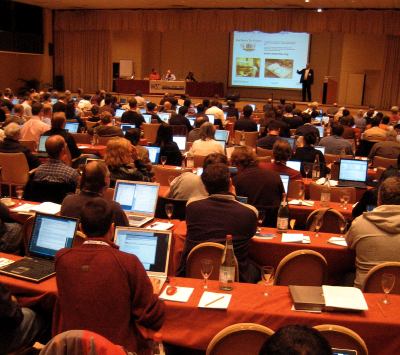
point(319, 10)
point(306, 0)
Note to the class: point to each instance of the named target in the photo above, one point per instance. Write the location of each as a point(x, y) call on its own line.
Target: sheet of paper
point(344, 297)
point(292, 238)
point(5, 262)
point(215, 300)
point(301, 202)
point(182, 294)
point(47, 207)
point(26, 207)
point(264, 235)
point(338, 241)
point(161, 226)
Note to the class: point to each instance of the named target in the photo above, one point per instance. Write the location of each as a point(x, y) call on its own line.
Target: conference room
point(316, 81)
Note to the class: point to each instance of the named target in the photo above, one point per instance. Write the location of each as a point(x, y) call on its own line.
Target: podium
point(329, 90)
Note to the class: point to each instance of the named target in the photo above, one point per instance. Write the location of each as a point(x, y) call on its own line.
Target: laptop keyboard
point(351, 184)
point(32, 268)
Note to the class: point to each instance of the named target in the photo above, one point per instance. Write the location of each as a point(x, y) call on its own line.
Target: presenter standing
point(169, 76)
point(306, 79)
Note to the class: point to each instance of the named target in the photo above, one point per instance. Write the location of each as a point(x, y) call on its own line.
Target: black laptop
point(353, 173)
point(49, 234)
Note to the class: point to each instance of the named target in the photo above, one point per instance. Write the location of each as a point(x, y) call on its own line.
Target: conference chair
point(302, 267)
point(179, 211)
point(372, 282)
point(163, 175)
point(331, 220)
point(364, 148)
point(234, 339)
point(198, 160)
point(150, 131)
point(31, 145)
point(250, 138)
point(340, 337)
point(14, 170)
point(90, 125)
point(336, 192)
point(261, 152)
point(43, 191)
point(383, 162)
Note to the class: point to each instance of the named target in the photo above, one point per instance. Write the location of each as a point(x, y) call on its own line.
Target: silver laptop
point(49, 234)
point(320, 130)
point(353, 173)
point(147, 117)
point(181, 142)
point(154, 154)
point(72, 127)
point(285, 181)
point(152, 247)
point(42, 144)
point(119, 112)
point(164, 116)
point(138, 200)
point(211, 118)
point(221, 135)
point(294, 164)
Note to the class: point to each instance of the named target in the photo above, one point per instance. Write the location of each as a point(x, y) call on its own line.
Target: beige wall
point(28, 66)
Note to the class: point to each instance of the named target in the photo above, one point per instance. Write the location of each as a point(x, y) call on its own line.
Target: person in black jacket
point(246, 123)
point(306, 80)
point(168, 147)
point(131, 116)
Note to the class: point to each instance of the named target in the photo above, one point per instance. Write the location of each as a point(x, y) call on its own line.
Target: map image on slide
point(248, 67)
point(278, 68)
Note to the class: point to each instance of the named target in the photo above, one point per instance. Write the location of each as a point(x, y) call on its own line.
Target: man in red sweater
point(103, 289)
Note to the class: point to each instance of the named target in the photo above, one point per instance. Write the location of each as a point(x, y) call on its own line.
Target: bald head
point(58, 120)
point(95, 177)
point(55, 146)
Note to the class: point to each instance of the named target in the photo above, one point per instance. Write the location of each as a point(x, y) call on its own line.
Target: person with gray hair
point(375, 235)
point(11, 144)
point(390, 148)
point(206, 144)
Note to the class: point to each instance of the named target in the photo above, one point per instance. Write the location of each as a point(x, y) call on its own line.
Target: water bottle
point(228, 266)
point(316, 170)
point(158, 347)
point(282, 223)
point(326, 193)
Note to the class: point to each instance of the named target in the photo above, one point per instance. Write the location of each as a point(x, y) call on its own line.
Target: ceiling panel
point(167, 4)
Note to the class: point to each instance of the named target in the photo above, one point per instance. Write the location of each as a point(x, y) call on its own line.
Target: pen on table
point(219, 298)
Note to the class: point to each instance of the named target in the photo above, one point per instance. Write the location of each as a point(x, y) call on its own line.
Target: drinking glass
point(307, 169)
point(19, 192)
point(260, 219)
point(301, 192)
point(345, 199)
point(163, 160)
point(342, 227)
point(268, 277)
point(206, 270)
point(387, 283)
point(169, 210)
point(318, 225)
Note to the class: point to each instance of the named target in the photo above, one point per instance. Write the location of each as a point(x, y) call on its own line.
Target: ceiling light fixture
point(319, 10)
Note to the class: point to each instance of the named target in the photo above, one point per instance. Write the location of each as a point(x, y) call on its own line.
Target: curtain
point(391, 77)
point(378, 22)
point(84, 58)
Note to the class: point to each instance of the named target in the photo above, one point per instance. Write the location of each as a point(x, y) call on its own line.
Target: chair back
point(250, 138)
point(31, 145)
point(26, 233)
point(162, 175)
point(336, 192)
point(208, 250)
point(234, 339)
point(383, 162)
point(90, 124)
point(109, 194)
point(14, 169)
point(294, 188)
point(342, 338)
point(331, 158)
point(104, 140)
point(372, 282)
point(42, 191)
point(179, 130)
point(302, 267)
point(179, 208)
point(198, 160)
point(150, 131)
point(261, 152)
point(331, 220)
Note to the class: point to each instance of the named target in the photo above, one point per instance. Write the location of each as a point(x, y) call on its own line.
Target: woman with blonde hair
point(206, 144)
point(121, 159)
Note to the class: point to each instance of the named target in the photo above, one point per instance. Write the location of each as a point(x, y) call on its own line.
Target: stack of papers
point(5, 262)
point(338, 241)
point(295, 238)
point(301, 202)
point(24, 208)
point(45, 207)
point(348, 298)
point(182, 294)
point(215, 300)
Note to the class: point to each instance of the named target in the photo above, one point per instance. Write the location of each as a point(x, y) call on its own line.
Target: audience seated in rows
point(180, 119)
point(84, 290)
point(194, 134)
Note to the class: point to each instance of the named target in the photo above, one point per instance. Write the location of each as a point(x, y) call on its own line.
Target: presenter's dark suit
point(306, 83)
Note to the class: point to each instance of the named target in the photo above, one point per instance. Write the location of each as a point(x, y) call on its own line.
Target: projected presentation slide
point(269, 60)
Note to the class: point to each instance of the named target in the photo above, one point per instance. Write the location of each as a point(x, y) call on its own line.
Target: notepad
point(301, 202)
point(347, 298)
point(24, 208)
point(5, 262)
point(161, 226)
point(295, 238)
point(215, 300)
point(338, 241)
point(182, 294)
point(47, 207)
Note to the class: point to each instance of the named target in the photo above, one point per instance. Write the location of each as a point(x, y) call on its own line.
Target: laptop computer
point(72, 127)
point(180, 141)
point(320, 130)
point(53, 101)
point(122, 101)
point(291, 141)
point(147, 117)
point(320, 148)
point(192, 120)
point(285, 181)
point(119, 112)
point(49, 234)
point(294, 164)
point(142, 111)
point(126, 127)
point(164, 116)
point(353, 173)
point(152, 247)
point(221, 135)
point(154, 154)
point(41, 148)
point(138, 200)
point(211, 118)
point(15, 101)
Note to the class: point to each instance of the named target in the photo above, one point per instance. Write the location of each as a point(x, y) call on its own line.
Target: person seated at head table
point(121, 160)
point(204, 222)
point(94, 182)
point(91, 271)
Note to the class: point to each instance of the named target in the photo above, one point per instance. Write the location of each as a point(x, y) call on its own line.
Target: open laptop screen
point(180, 141)
point(320, 130)
point(353, 170)
point(154, 154)
point(320, 148)
point(42, 144)
point(294, 164)
point(72, 127)
point(285, 181)
point(151, 247)
point(126, 127)
point(164, 116)
point(221, 135)
point(147, 117)
point(50, 234)
point(136, 197)
point(291, 141)
point(119, 112)
point(211, 118)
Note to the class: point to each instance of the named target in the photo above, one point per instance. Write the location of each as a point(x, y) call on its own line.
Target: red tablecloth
point(189, 326)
